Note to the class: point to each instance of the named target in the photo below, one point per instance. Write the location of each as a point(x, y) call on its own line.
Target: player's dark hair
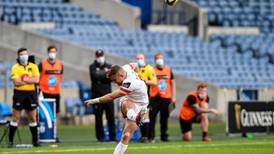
point(51, 47)
point(21, 50)
point(113, 71)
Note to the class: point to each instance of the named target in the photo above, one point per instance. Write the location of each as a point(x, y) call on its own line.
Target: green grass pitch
point(81, 140)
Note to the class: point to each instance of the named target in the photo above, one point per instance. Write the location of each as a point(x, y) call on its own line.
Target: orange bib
point(163, 87)
point(187, 112)
point(51, 76)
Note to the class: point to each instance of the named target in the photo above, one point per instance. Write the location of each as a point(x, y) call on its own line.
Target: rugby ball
point(170, 2)
point(24, 76)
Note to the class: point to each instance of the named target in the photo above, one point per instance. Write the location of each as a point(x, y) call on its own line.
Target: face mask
point(141, 62)
point(100, 60)
point(52, 55)
point(24, 58)
point(159, 62)
point(201, 96)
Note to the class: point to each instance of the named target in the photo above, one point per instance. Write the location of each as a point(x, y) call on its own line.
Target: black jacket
point(100, 84)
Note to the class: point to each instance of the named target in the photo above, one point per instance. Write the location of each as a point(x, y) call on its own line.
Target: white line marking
point(140, 148)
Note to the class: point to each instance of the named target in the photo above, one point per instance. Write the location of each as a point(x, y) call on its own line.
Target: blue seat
point(74, 106)
point(5, 110)
point(225, 55)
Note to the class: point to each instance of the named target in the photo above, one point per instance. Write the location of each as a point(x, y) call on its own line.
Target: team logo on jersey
point(126, 84)
point(52, 81)
point(162, 85)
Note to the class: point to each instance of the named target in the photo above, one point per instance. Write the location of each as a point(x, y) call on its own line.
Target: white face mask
point(23, 58)
point(141, 62)
point(201, 96)
point(159, 62)
point(52, 55)
point(100, 60)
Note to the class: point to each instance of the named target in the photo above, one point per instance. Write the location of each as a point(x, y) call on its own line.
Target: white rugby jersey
point(135, 88)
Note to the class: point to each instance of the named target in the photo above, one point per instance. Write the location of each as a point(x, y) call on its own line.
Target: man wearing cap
point(101, 85)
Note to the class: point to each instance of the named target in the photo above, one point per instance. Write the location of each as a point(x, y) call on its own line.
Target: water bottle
point(23, 146)
point(41, 96)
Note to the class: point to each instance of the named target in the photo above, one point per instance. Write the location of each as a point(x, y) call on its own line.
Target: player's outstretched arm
point(106, 98)
point(199, 109)
point(214, 111)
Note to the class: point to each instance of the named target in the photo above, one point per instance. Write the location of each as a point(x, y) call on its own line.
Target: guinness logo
point(237, 109)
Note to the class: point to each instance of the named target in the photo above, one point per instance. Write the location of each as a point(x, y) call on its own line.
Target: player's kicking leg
point(129, 111)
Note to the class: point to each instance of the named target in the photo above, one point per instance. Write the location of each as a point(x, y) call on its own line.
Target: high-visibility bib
point(163, 87)
point(187, 112)
point(51, 76)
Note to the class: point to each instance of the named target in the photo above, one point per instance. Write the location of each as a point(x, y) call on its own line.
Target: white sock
point(14, 123)
point(145, 120)
point(33, 124)
point(131, 115)
point(120, 148)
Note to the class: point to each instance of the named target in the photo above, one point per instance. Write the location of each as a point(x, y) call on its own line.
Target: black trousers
point(98, 112)
point(157, 105)
point(56, 97)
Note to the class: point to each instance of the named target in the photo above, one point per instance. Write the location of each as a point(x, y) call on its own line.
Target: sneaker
point(36, 144)
point(151, 141)
point(206, 139)
point(113, 140)
point(57, 140)
point(140, 116)
point(143, 140)
point(164, 140)
point(10, 145)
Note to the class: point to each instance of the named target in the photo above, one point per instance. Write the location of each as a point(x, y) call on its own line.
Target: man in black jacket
point(101, 85)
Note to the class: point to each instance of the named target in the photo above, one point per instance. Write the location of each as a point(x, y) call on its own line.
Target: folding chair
point(5, 111)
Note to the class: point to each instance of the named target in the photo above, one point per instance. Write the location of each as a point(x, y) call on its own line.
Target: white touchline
point(140, 148)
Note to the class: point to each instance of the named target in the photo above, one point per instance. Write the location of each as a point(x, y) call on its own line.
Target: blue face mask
point(24, 58)
point(141, 62)
point(159, 62)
